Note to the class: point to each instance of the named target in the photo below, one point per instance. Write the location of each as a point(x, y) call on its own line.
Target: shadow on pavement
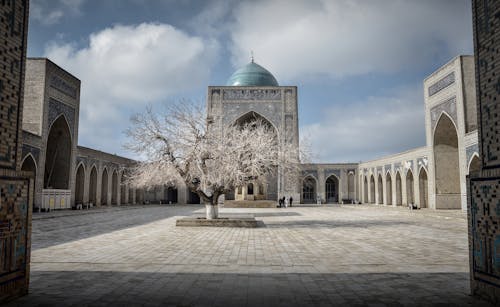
point(336, 224)
point(217, 289)
point(63, 229)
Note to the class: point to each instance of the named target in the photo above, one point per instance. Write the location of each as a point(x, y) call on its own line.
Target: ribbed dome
point(252, 74)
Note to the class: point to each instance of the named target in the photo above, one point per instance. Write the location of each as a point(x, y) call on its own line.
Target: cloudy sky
point(358, 64)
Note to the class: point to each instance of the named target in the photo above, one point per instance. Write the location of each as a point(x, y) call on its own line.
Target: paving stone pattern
point(301, 256)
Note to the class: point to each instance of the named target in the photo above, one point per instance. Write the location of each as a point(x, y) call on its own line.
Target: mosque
point(432, 176)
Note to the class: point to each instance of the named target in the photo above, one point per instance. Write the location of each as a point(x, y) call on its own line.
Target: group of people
point(285, 202)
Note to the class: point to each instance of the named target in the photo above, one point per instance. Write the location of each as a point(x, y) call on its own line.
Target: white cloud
point(51, 12)
point(340, 38)
point(369, 129)
point(127, 67)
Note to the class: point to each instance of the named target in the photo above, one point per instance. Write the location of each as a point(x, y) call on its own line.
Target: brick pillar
point(16, 187)
point(483, 200)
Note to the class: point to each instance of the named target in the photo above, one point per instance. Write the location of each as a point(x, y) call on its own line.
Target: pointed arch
point(93, 185)
point(350, 186)
point(365, 190)
point(372, 189)
point(388, 188)
point(123, 189)
point(58, 155)
point(423, 188)
point(332, 189)
point(446, 164)
point(79, 183)
point(399, 189)
point(251, 116)
point(474, 165)
point(309, 184)
point(380, 189)
point(29, 165)
point(114, 188)
point(410, 196)
point(104, 187)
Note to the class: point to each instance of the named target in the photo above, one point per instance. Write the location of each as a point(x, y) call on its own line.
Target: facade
point(252, 92)
point(433, 176)
point(66, 175)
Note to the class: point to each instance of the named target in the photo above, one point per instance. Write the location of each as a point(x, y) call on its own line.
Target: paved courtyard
point(318, 256)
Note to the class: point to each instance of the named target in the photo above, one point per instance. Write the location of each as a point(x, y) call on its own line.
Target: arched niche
point(423, 187)
point(79, 184)
point(380, 199)
point(93, 186)
point(388, 188)
point(58, 155)
point(446, 164)
point(309, 190)
point(332, 189)
point(104, 187)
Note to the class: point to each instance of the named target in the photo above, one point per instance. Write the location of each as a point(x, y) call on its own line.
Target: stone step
point(250, 204)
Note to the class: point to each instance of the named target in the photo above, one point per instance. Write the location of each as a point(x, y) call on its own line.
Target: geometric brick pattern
point(485, 229)
point(14, 236)
point(487, 51)
point(12, 49)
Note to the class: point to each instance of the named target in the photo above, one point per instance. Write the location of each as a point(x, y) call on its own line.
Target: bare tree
point(180, 146)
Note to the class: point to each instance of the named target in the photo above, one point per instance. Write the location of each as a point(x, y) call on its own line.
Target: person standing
point(280, 202)
point(290, 200)
point(284, 202)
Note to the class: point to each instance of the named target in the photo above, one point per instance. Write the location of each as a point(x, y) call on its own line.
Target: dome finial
point(251, 55)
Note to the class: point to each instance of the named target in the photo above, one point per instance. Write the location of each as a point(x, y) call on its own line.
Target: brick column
point(484, 188)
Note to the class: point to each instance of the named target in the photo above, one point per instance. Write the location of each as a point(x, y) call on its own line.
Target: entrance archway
point(58, 156)
point(271, 190)
point(388, 189)
point(380, 190)
point(447, 169)
point(410, 199)
point(372, 189)
point(424, 193)
point(332, 189)
point(29, 165)
point(474, 165)
point(104, 187)
point(309, 190)
point(93, 186)
point(79, 184)
point(399, 190)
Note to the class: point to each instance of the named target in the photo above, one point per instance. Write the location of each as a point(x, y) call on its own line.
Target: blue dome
point(252, 74)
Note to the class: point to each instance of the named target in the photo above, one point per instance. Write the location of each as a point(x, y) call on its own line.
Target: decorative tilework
point(422, 161)
point(62, 86)
point(329, 172)
point(14, 232)
point(469, 151)
point(442, 83)
point(253, 94)
point(313, 173)
point(485, 229)
point(449, 106)
point(57, 108)
point(388, 167)
point(33, 150)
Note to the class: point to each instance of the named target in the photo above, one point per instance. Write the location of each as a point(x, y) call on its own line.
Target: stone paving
point(301, 256)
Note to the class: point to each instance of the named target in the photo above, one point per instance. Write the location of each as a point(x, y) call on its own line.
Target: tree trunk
point(212, 211)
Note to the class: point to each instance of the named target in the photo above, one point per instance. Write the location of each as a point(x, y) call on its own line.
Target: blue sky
point(358, 65)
